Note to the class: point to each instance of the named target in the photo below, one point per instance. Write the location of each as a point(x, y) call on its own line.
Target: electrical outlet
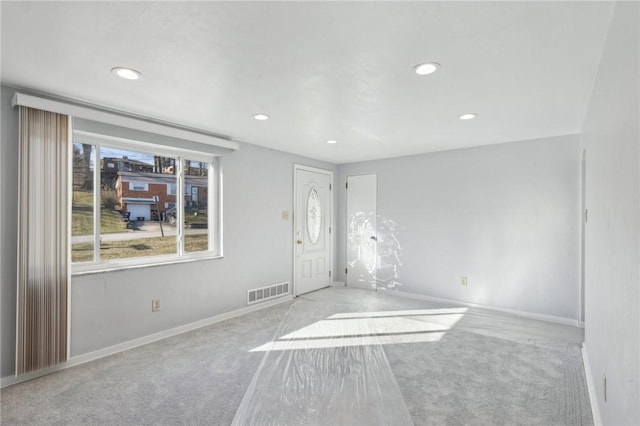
point(464, 281)
point(155, 305)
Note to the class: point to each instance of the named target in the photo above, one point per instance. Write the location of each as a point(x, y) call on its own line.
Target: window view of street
point(82, 203)
point(137, 195)
point(196, 213)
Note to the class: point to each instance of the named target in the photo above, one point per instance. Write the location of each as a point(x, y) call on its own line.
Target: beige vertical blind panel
point(42, 243)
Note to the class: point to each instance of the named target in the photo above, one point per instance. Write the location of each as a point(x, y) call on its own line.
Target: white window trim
point(214, 214)
point(87, 268)
point(180, 206)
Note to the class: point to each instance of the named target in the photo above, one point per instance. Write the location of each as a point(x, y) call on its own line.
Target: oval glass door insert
point(314, 215)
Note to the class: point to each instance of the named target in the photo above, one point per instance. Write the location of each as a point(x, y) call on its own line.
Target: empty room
point(320, 213)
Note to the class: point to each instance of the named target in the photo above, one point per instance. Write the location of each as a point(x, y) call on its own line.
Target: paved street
point(145, 229)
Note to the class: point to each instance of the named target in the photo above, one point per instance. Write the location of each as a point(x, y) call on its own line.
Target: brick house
point(136, 193)
point(110, 166)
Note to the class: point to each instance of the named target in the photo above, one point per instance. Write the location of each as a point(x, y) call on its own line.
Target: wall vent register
point(269, 292)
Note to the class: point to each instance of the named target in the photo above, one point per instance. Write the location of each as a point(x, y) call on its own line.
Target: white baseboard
point(525, 314)
point(91, 356)
point(595, 409)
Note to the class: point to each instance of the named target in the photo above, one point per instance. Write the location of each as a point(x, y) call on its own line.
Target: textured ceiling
point(321, 70)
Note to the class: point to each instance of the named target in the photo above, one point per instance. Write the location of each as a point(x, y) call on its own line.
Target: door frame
point(583, 236)
point(294, 222)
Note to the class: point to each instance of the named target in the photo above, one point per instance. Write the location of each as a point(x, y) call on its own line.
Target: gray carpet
point(474, 367)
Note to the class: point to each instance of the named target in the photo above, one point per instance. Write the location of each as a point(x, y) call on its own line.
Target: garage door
point(139, 210)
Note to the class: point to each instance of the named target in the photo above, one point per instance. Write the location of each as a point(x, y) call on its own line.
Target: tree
point(161, 164)
point(157, 164)
point(86, 166)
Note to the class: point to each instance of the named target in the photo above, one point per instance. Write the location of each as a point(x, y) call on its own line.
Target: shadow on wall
point(374, 251)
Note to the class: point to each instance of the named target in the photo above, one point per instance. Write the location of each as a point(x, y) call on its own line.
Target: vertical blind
point(42, 240)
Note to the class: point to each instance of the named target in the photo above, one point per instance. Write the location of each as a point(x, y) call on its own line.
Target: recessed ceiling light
point(261, 117)
point(426, 68)
point(126, 73)
point(332, 141)
point(468, 116)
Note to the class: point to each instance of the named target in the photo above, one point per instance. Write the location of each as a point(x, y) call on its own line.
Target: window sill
point(99, 268)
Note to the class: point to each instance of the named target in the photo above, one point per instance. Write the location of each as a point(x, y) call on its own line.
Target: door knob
point(299, 241)
point(373, 237)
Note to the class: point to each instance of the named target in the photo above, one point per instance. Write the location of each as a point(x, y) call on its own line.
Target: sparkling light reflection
point(372, 239)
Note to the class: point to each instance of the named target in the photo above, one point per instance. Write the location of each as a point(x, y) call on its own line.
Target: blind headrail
point(121, 119)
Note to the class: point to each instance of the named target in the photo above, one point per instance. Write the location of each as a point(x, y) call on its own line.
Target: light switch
point(285, 215)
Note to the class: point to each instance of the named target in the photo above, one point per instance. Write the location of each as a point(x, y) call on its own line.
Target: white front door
point(312, 229)
point(362, 234)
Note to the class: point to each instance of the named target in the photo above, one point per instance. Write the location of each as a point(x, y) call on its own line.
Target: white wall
point(115, 307)
point(506, 216)
point(8, 231)
point(611, 138)
point(111, 308)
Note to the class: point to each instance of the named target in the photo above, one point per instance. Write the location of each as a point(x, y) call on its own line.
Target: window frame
point(214, 215)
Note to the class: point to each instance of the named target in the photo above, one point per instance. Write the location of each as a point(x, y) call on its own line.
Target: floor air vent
point(269, 292)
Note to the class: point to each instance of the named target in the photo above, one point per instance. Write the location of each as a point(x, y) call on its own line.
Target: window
point(196, 205)
point(138, 186)
point(82, 203)
point(155, 209)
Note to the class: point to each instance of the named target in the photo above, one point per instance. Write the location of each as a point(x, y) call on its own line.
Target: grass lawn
point(142, 247)
point(195, 216)
point(82, 216)
point(196, 242)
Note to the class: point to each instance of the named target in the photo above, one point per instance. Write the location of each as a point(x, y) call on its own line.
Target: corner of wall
point(593, 398)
